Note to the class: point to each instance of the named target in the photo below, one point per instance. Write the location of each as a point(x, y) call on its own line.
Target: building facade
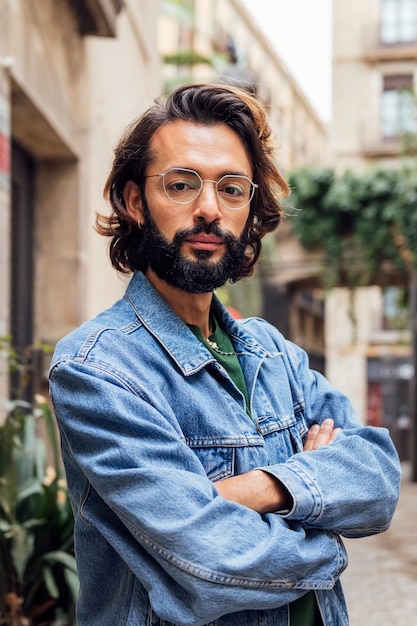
point(374, 125)
point(73, 74)
point(374, 79)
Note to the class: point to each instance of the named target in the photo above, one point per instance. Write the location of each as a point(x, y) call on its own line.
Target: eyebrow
point(221, 174)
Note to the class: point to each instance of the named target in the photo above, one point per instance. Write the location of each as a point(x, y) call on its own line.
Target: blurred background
point(338, 80)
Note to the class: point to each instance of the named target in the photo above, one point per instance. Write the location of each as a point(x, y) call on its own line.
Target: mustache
point(208, 228)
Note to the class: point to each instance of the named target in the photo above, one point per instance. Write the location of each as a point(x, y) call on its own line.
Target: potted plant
point(38, 578)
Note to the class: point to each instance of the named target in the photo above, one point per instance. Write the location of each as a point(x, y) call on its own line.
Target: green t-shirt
point(221, 347)
point(303, 611)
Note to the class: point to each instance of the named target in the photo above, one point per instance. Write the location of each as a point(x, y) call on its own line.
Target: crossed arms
point(262, 492)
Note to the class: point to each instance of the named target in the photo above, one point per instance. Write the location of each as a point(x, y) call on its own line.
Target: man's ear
point(132, 196)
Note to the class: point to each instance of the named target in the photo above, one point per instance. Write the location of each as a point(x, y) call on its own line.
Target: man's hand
point(322, 435)
point(262, 492)
point(258, 490)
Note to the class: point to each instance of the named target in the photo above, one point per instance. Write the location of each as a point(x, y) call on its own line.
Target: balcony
point(389, 45)
point(97, 17)
point(373, 146)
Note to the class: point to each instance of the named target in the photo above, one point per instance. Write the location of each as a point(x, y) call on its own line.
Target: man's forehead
point(207, 141)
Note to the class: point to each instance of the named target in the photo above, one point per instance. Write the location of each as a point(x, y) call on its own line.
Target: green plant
point(38, 579)
point(361, 222)
point(186, 57)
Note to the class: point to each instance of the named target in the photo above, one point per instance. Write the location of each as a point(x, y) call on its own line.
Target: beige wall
point(131, 80)
point(70, 97)
point(348, 334)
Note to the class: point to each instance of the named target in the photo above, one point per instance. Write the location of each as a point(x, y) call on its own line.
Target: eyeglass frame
point(162, 175)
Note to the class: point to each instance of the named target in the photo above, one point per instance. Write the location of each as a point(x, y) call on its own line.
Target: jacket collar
point(170, 330)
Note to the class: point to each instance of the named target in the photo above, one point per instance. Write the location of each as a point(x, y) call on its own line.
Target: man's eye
point(181, 185)
point(232, 190)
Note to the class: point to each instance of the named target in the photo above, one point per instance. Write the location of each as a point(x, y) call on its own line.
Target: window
point(396, 309)
point(22, 247)
point(22, 262)
point(398, 21)
point(398, 112)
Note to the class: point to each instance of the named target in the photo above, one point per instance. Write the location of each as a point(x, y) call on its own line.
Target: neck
point(192, 308)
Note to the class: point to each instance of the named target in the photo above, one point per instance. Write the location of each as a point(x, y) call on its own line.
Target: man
point(211, 472)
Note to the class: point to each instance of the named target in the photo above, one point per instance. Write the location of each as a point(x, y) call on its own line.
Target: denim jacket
point(149, 420)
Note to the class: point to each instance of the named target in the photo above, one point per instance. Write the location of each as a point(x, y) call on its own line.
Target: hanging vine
point(363, 223)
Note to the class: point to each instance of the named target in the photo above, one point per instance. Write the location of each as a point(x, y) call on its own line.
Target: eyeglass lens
point(183, 186)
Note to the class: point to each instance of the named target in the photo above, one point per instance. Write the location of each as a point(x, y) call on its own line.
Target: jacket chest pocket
point(226, 457)
point(282, 437)
point(217, 458)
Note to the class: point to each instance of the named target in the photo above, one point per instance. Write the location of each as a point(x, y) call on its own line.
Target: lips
point(204, 241)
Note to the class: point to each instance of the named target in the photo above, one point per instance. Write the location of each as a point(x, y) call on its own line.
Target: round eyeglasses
point(183, 186)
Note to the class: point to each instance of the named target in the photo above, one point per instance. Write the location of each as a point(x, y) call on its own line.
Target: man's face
point(196, 246)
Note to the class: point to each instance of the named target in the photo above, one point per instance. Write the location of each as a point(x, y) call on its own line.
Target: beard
point(199, 275)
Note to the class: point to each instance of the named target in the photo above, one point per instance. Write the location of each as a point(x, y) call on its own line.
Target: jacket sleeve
point(149, 497)
point(350, 487)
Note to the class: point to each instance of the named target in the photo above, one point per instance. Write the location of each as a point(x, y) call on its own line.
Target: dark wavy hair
point(206, 104)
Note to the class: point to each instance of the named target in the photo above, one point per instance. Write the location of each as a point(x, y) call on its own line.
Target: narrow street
point(381, 581)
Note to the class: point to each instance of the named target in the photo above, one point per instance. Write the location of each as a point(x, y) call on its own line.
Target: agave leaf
point(49, 581)
point(40, 459)
point(23, 462)
point(73, 583)
point(33, 523)
point(30, 488)
point(29, 432)
point(51, 431)
point(5, 502)
point(12, 405)
point(57, 556)
point(22, 548)
point(5, 526)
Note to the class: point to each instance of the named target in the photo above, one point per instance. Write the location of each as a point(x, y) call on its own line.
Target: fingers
point(321, 435)
point(335, 432)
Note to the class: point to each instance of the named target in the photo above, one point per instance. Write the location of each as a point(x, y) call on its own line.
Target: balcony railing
point(373, 144)
point(376, 142)
point(378, 147)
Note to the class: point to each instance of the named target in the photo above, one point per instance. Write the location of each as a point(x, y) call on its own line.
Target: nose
point(207, 204)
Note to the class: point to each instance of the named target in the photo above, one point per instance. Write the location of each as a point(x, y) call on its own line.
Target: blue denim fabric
point(148, 419)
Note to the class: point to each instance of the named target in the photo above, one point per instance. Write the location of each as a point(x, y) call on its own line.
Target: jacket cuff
point(306, 495)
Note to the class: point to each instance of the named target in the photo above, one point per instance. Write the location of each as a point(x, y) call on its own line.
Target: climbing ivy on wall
point(362, 222)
